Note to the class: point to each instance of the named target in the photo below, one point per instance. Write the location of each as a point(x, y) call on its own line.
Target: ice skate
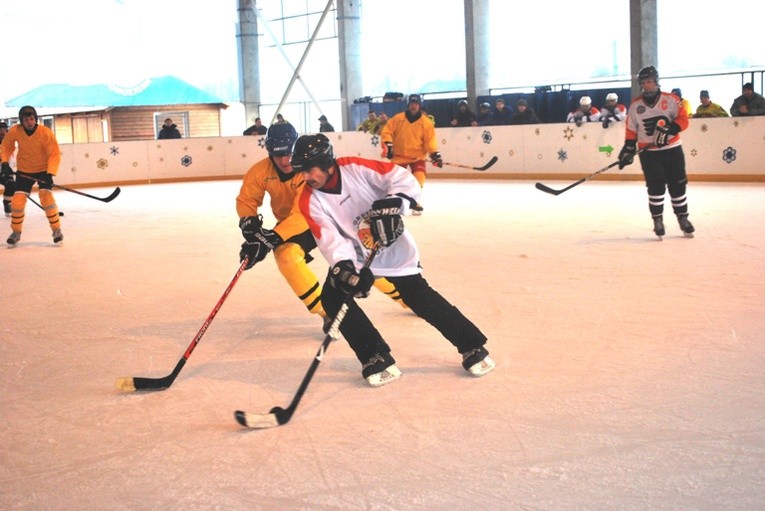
point(686, 226)
point(58, 237)
point(658, 227)
point(13, 239)
point(380, 370)
point(478, 362)
point(417, 209)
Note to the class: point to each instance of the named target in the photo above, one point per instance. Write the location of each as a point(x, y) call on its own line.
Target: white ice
point(630, 371)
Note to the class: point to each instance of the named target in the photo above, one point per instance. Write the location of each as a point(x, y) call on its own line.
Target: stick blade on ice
point(126, 384)
point(546, 189)
point(256, 420)
point(136, 383)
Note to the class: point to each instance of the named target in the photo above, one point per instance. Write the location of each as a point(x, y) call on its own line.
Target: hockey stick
point(488, 164)
point(482, 168)
point(552, 191)
point(278, 415)
point(60, 213)
point(131, 384)
point(109, 198)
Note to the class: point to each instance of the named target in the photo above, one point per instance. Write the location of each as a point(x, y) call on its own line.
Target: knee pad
point(288, 254)
point(46, 198)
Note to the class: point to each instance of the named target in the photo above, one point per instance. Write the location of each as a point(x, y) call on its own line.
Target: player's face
point(28, 121)
point(649, 85)
point(315, 177)
point(284, 163)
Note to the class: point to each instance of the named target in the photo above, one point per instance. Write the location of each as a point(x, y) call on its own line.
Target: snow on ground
point(631, 372)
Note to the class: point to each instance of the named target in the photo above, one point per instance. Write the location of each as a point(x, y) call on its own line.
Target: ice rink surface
point(630, 372)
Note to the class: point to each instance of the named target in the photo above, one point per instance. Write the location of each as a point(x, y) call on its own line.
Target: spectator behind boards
point(524, 114)
point(686, 105)
point(169, 130)
point(464, 116)
point(324, 125)
point(748, 103)
point(256, 129)
point(585, 113)
point(613, 110)
point(707, 108)
point(501, 114)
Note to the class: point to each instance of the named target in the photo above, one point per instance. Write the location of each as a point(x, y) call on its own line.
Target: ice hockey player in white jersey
point(654, 122)
point(351, 204)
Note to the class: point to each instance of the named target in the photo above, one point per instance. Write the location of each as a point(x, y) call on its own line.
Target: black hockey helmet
point(415, 98)
point(647, 73)
point(26, 111)
point(280, 138)
point(312, 151)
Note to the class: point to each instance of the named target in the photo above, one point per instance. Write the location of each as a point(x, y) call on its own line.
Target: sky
point(630, 371)
point(407, 46)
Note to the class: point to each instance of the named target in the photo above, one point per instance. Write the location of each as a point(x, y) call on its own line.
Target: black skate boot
point(13, 239)
point(477, 361)
point(685, 225)
point(380, 369)
point(658, 226)
point(58, 237)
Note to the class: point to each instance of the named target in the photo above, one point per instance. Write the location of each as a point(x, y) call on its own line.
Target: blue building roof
point(165, 90)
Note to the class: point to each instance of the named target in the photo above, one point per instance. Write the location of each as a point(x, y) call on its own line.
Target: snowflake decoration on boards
point(704, 128)
point(262, 142)
point(102, 163)
point(114, 150)
point(562, 155)
point(375, 140)
point(186, 160)
point(729, 155)
point(568, 133)
point(694, 152)
point(486, 136)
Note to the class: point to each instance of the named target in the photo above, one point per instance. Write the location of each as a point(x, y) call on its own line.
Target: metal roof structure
point(165, 90)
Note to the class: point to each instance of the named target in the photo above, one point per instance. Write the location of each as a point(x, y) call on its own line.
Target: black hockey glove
point(6, 173)
point(254, 252)
point(435, 159)
point(250, 225)
point(627, 154)
point(385, 220)
point(258, 241)
point(389, 150)
point(665, 132)
point(344, 277)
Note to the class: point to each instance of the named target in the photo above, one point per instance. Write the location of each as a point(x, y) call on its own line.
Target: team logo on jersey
point(365, 233)
point(650, 123)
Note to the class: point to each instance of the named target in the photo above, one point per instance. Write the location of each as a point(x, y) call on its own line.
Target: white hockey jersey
point(335, 216)
point(643, 118)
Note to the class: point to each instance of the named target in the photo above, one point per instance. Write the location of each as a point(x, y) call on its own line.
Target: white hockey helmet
point(612, 97)
point(585, 101)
